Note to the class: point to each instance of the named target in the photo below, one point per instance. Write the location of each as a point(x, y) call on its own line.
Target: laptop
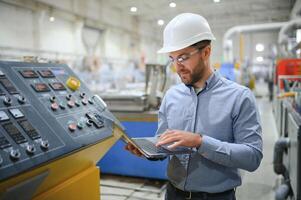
point(147, 146)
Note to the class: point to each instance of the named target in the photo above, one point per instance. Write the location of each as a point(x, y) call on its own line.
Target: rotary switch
point(7, 101)
point(44, 144)
point(30, 149)
point(15, 154)
point(21, 99)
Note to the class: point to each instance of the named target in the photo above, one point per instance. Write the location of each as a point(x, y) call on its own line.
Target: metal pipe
point(283, 38)
point(280, 146)
point(227, 41)
point(282, 192)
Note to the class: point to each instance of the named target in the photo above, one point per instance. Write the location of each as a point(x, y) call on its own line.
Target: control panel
point(45, 113)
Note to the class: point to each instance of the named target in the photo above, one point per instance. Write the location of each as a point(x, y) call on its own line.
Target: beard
point(189, 78)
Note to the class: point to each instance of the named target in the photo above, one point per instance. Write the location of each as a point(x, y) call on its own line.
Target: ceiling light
point(133, 9)
point(51, 19)
point(172, 5)
point(216, 1)
point(160, 22)
point(259, 47)
point(259, 59)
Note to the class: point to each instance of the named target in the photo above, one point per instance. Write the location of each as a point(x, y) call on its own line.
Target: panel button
point(29, 129)
point(84, 101)
point(3, 116)
point(62, 105)
point(80, 125)
point(40, 87)
point(77, 103)
point(16, 113)
point(57, 86)
point(54, 106)
point(71, 104)
point(72, 126)
point(73, 83)
point(14, 133)
point(28, 73)
point(8, 85)
point(46, 73)
point(4, 143)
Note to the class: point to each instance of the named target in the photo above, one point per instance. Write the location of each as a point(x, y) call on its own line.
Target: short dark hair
point(202, 43)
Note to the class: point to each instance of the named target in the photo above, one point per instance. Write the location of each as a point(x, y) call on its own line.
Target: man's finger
point(174, 145)
point(168, 140)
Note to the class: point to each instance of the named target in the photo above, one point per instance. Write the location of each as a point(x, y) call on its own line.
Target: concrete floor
point(257, 185)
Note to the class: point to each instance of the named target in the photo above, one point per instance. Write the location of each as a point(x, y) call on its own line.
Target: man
point(216, 117)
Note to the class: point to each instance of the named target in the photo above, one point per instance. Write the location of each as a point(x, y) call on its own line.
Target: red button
point(72, 127)
point(71, 104)
point(54, 106)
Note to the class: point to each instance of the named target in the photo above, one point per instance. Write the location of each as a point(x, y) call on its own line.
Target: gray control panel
point(42, 118)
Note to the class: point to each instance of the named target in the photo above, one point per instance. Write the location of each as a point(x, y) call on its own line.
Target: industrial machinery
point(287, 157)
point(137, 111)
point(286, 72)
point(287, 109)
point(52, 132)
point(130, 100)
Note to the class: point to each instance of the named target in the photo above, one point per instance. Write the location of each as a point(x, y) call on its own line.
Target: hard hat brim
point(185, 44)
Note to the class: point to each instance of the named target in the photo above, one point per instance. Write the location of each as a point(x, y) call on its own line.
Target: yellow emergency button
point(73, 83)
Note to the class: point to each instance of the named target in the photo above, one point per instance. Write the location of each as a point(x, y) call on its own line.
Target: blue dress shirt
point(226, 116)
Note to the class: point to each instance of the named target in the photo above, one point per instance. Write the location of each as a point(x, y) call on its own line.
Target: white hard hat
point(184, 30)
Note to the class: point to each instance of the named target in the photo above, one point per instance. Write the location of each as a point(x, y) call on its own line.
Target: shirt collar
point(210, 82)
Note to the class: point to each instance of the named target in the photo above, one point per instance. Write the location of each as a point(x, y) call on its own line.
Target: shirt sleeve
point(246, 150)
point(162, 121)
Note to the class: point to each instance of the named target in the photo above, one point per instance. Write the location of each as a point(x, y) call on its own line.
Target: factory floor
point(257, 185)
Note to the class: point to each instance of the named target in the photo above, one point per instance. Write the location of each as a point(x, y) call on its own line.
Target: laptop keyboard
point(149, 146)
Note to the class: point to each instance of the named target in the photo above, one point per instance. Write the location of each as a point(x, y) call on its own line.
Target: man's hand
point(131, 148)
point(179, 138)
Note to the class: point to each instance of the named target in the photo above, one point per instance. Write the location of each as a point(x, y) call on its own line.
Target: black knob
point(44, 144)
point(62, 105)
point(7, 101)
point(82, 95)
point(69, 96)
point(77, 103)
point(30, 149)
point(15, 154)
point(89, 122)
point(91, 101)
point(52, 99)
point(21, 99)
point(84, 101)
